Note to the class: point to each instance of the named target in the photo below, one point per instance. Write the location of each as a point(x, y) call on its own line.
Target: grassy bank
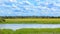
point(31, 31)
point(32, 21)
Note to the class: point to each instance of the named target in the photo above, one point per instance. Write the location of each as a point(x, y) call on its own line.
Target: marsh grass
point(33, 21)
point(31, 31)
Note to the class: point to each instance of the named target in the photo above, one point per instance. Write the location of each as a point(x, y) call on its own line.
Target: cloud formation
point(29, 7)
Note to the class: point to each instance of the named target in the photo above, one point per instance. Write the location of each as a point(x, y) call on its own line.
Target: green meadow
point(30, 21)
point(31, 31)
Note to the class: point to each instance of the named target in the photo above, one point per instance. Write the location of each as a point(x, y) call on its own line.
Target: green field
point(31, 31)
point(31, 21)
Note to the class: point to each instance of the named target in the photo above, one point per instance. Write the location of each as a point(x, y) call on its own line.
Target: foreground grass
point(31, 31)
point(32, 21)
point(38, 31)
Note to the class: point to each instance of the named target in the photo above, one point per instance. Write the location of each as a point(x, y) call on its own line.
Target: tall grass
point(31, 31)
point(34, 20)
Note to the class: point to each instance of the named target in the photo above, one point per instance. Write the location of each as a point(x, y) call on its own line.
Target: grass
point(38, 31)
point(31, 31)
point(6, 31)
point(32, 21)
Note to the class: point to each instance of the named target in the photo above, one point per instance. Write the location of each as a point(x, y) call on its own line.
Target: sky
point(29, 7)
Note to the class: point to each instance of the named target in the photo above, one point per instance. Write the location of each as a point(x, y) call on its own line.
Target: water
point(19, 26)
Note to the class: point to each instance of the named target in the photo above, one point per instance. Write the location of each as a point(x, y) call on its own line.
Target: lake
point(19, 26)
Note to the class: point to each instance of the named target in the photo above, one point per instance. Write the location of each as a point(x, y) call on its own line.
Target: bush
point(2, 20)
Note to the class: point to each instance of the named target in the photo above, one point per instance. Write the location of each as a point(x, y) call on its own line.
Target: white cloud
point(33, 10)
point(12, 0)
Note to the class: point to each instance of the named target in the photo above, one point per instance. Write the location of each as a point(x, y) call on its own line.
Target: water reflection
point(19, 26)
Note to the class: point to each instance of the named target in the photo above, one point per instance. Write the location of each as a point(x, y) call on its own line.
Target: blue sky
point(29, 7)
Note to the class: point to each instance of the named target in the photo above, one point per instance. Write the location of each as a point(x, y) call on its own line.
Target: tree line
point(29, 16)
